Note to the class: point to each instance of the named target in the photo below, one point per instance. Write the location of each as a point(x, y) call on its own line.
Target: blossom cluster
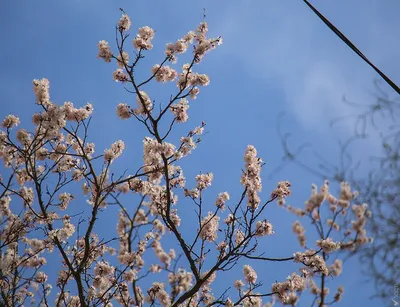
point(201, 47)
point(180, 110)
point(124, 23)
point(143, 38)
point(164, 73)
point(114, 151)
point(287, 291)
point(300, 231)
point(209, 227)
point(105, 52)
point(251, 177)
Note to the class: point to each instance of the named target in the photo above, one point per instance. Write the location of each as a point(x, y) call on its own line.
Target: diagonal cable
point(352, 46)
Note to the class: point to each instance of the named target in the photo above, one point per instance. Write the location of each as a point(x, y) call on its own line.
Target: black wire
point(352, 46)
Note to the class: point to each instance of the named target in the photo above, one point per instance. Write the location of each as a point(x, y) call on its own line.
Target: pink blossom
point(180, 110)
point(164, 73)
point(114, 152)
point(144, 38)
point(251, 177)
point(105, 52)
point(209, 227)
point(10, 121)
point(264, 228)
point(123, 111)
point(144, 102)
point(120, 76)
point(124, 23)
point(41, 89)
point(222, 199)
point(249, 274)
point(204, 180)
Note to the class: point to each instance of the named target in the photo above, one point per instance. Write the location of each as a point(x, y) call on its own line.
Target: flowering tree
point(38, 191)
point(377, 182)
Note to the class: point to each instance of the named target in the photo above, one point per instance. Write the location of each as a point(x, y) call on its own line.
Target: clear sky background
point(277, 56)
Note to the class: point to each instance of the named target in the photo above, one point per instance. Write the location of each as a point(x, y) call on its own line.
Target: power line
point(352, 46)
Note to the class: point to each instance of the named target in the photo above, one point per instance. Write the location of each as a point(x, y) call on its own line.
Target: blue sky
point(277, 56)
